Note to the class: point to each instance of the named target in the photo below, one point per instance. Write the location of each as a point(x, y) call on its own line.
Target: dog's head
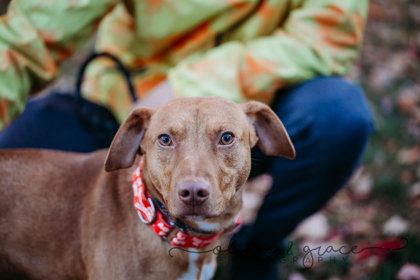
point(196, 152)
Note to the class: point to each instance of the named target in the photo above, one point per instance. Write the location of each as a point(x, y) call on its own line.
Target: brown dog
point(63, 217)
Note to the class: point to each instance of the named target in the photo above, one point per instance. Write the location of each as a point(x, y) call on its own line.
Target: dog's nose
point(194, 193)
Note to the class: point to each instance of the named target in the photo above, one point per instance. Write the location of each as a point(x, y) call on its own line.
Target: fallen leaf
point(408, 156)
point(296, 276)
point(361, 185)
point(315, 227)
point(409, 272)
point(395, 226)
point(254, 192)
point(408, 98)
point(367, 251)
point(406, 177)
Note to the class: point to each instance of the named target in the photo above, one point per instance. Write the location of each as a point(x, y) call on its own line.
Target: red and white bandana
point(154, 218)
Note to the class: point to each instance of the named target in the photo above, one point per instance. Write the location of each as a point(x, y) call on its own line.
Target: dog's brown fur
point(63, 217)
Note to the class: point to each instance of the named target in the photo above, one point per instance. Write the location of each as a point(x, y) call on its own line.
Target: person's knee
point(343, 117)
point(323, 99)
point(329, 123)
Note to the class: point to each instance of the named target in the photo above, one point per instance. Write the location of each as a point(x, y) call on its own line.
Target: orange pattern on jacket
point(265, 44)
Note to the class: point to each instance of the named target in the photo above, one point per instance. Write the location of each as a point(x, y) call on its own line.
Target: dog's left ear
point(267, 130)
point(126, 142)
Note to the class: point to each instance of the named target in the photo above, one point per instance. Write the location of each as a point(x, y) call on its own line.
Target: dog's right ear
point(126, 142)
point(267, 131)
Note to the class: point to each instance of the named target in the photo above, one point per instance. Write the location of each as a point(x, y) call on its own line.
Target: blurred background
point(381, 203)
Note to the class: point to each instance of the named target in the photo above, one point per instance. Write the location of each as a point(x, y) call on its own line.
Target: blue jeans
point(329, 122)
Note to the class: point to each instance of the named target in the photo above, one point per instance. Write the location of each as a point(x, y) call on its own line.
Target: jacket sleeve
point(319, 37)
point(35, 36)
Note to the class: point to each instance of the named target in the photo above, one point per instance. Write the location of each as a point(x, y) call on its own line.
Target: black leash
point(96, 117)
point(120, 65)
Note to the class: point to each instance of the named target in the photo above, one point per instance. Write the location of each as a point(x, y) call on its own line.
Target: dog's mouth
point(197, 217)
point(200, 222)
point(195, 214)
point(211, 216)
point(210, 224)
point(194, 218)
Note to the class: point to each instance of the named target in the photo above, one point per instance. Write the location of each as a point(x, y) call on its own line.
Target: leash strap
point(120, 66)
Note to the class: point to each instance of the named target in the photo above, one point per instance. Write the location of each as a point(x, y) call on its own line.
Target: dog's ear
point(267, 130)
point(126, 142)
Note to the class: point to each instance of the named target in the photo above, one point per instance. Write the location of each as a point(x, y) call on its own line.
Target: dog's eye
point(165, 140)
point(226, 139)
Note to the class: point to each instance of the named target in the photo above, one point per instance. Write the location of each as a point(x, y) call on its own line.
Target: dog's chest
point(199, 268)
